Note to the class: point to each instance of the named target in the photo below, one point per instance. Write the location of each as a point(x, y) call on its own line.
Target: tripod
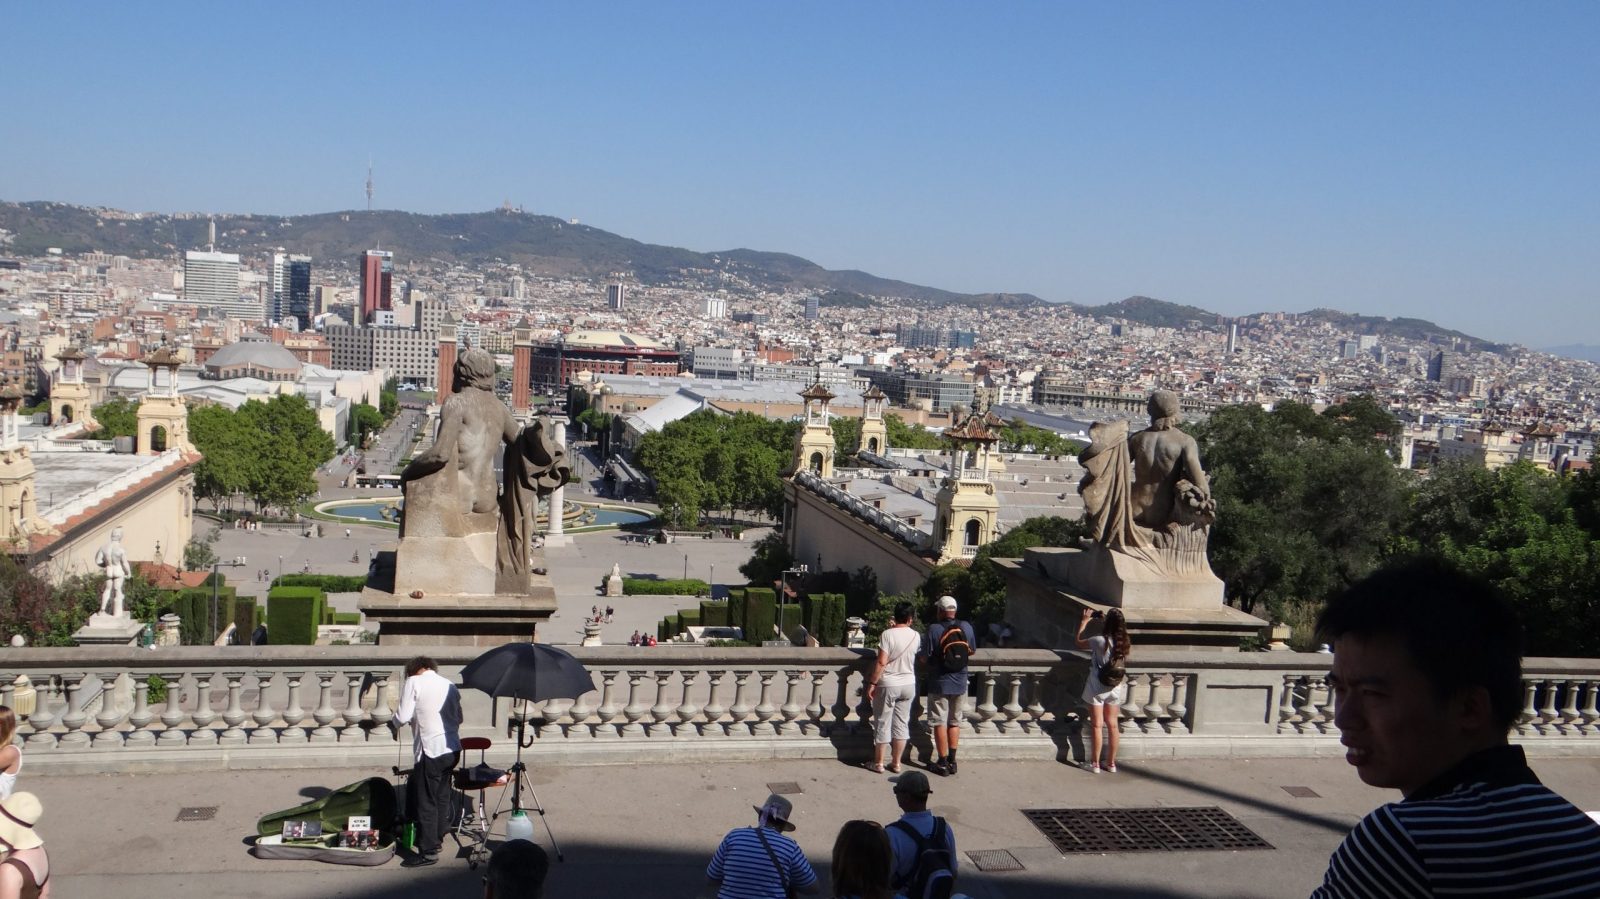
point(519, 783)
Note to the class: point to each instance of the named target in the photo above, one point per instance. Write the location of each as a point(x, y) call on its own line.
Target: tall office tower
point(1441, 366)
point(377, 281)
point(716, 307)
point(290, 288)
point(1233, 338)
point(813, 308)
point(614, 297)
point(211, 282)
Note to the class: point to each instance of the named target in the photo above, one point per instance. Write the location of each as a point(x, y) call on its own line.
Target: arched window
point(816, 462)
point(872, 444)
point(974, 532)
point(66, 413)
point(158, 439)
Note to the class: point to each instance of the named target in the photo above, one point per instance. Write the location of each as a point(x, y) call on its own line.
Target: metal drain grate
point(197, 813)
point(784, 787)
point(1073, 830)
point(994, 860)
point(1302, 792)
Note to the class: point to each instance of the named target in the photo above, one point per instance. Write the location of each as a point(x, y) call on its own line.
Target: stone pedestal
point(109, 630)
point(169, 630)
point(453, 617)
point(591, 634)
point(614, 585)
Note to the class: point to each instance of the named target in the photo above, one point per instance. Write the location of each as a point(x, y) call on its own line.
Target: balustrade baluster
point(1591, 714)
point(1548, 716)
point(739, 714)
point(172, 714)
point(1305, 710)
point(1013, 706)
point(1570, 717)
point(814, 709)
point(381, 713)
point(1529, 712)
point(324, 713)
point(607, 712)
point(581, 711)
point(554, 727)
point(714, 707)
point(791, 708)
point(662, 710)
point(293, 712)
point(42, 718)
point(139, 719)
point(263, 716)
point(1153, 707)
point(1035, 722)
point(203, 714)
point(1177, 710)
point(352, 713)
point(986, 709)
point(635, 708)
point(110, 715)
point(864, 711)
point(765, 709)
point(75, 717)
point(1324, 720)
point(687, 710)
point(1286, 704)
point(841, 704)
point(1128, 719)
point(234, 714)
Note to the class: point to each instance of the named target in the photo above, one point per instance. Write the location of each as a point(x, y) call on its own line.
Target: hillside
point(1161, 314)
point(541, 243)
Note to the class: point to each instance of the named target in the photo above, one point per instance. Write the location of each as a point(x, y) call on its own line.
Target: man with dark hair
point(432, 706)
point(1427, 675)
point(517, 870)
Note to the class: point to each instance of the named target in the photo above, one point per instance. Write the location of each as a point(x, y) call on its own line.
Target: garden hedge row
point(638, 586)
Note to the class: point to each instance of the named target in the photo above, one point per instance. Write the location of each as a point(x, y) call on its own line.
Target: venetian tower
point(163, 417)
point(968, 509)
point(874, 431)
point(69, 396)
point(814, 445)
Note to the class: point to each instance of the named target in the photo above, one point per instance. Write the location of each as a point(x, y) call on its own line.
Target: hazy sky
point(1437, 160)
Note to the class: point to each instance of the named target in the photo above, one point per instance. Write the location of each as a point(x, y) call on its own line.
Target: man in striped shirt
point(1427, 675)
point(760, 862)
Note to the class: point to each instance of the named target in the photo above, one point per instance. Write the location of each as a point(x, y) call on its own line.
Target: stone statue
point(113, 560)
point(534, 466)
point(451, 491)
point(1147, 495)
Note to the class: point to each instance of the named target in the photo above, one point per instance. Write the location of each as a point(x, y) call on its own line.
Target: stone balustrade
point(100, 709)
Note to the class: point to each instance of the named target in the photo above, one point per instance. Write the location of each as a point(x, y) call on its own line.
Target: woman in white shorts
point(1104, 701)
point(892, 686)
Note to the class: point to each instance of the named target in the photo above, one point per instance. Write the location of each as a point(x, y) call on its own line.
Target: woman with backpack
point(1104, 689)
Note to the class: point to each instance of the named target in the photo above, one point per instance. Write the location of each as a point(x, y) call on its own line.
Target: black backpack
point(954, 650)
point(933, 876)
point(1114, 670)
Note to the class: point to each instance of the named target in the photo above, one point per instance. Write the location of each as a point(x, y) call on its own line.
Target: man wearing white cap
point(25, 868)
point(946, 648)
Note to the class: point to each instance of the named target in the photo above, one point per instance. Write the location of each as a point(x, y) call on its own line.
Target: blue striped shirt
point(746, 870)
point(1488, 829)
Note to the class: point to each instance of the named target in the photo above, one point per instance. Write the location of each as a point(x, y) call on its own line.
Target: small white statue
point(113, 560)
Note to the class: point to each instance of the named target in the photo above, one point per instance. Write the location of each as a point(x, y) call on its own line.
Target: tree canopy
point(117, 417)
point(266, 451)
point(708, 462)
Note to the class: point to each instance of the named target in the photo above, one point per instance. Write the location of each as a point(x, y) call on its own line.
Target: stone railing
point(254, 707)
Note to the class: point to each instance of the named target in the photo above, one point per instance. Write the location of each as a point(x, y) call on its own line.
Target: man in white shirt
point(432, 706)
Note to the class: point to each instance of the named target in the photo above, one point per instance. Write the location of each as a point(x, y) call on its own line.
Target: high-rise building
point(1233, 338)
point(716, 307)
point(813, 308)
point(1441, 366)
point(615, 294)
point(290, 289)
point(211, 282)
point(377, 282)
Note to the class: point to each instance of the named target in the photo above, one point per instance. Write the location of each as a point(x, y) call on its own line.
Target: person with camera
point(1104, 689)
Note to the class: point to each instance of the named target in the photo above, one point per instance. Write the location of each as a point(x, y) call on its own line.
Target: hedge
point(327, 583)
point(638, 586)
point(246, 615)
point(346, 617)
point(293, 614)
point(714, 613)
point(760, 616)
point(824, 616)
point(738, 606)
point(193, 606)
point(689, 618)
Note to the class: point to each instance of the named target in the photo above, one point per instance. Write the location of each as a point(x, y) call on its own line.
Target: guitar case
point(373, 798)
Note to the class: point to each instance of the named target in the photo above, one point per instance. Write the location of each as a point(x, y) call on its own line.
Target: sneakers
point(1094, 767)
point(1111, 768)
point(939, 767)
point(950, 766)
point(420, 860)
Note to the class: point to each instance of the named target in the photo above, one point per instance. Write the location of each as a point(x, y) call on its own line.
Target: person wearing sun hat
point(760, 862)
point(25, 868)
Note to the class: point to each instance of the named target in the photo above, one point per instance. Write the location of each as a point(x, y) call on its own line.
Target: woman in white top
point(1104, 701)
point(10, 754)
point(892, 686)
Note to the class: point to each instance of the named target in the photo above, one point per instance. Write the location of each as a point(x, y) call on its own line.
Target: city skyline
point(1429, 161)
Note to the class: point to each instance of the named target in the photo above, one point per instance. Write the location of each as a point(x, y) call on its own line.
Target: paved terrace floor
point(647, 831)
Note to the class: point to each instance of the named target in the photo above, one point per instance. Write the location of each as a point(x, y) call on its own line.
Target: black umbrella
point(529, 671)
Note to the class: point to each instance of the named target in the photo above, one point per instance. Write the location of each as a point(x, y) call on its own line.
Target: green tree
point(986, 585)
point(1019, 436)
point(846, 436)
point(290, 443)
point(708, 462)
point(364, 422)
point(200, 553)
point(769, 558)
point(904, 436)
point(389, 399)
point(229, 456)
point(117, 417)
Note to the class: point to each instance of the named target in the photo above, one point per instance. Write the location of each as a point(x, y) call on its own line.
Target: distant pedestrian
point(594, 612)
point(862, 862)
point(1104, 689)
point(347, 533)
point(634, 640)
point(891, 687)
point(760, 862)
point(609, 612)
point(923, 846)
point(946, 649)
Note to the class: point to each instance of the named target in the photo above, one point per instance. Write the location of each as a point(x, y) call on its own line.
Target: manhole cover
point(1302, 792)
point(1073, 830)
point(783, 787)
point(994, 860)
point(197, 813)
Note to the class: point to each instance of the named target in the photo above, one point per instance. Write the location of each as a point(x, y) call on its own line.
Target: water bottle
point(519, 827)
point(408, 836)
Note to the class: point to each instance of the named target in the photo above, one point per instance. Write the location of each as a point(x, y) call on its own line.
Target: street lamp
point(685, 566)
point(216, 577)
point(783, 594)
point(280, 567)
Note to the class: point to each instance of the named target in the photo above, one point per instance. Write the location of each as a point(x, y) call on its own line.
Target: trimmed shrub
point(661, 631)
point(293, 614)
point(689, 618)
point(714, 613)
point(246, 615)
point(346, 617)
point(761, 613)
point(193, 606)
point(327, 583)
point(636, 586)
point(738, 607)
point(824, 617)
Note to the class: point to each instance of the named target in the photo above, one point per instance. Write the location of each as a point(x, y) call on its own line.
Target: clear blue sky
point(1439, 159)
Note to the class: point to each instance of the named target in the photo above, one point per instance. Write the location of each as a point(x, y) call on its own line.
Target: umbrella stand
point(518, 783)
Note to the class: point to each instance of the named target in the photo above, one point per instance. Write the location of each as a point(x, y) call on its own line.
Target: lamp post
point(783, 594)
point(685, 566)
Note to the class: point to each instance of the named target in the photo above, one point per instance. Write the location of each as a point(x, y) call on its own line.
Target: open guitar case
point(373, 798)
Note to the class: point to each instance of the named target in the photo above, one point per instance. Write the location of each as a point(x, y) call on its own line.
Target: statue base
point(449, 615)
point(109, 630)
point(1120, 579)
